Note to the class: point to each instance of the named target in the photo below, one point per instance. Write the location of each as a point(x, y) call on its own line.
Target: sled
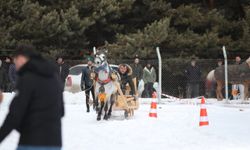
point(126, 102)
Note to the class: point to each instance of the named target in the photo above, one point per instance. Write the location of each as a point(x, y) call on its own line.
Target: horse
point(106, 87)
point(237, 74)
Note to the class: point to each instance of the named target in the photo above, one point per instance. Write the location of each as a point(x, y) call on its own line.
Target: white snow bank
point(176, 127)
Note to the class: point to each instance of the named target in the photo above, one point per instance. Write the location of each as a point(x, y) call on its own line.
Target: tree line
point(182, 28)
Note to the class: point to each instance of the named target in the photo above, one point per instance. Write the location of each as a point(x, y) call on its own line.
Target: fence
point(174, 79)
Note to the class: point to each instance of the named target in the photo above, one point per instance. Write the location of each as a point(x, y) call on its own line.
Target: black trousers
point(148, 90)
point(87, 92)
point(192, 90)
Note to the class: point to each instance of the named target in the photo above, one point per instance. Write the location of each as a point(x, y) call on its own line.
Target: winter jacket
point(3, 77)
point(137, 71)
point(63, 70)
point(126, 78)
point(6, 67)
point(37, 108)
point(12, 74)
point(193, 74)
point(149, 75)
point(86, 80)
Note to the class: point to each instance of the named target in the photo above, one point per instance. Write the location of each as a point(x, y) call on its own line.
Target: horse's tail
point(210, 81)
point(210, 76)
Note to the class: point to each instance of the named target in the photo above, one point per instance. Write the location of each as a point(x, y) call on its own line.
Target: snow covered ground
point(176, 127)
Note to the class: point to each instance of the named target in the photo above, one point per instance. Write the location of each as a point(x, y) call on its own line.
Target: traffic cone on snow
point(153, 109)
point(203, 114)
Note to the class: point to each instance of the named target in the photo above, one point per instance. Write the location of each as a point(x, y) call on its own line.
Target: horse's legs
point(112, 100)
point(96, 105)
point(105, 111)
point(218, 90)
point(100, 112)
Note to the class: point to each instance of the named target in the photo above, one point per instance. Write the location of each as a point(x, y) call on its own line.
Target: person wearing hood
point(37, 108)
point(125, 72)
point(149, 78)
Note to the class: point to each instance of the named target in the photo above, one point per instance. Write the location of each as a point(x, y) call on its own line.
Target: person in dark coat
point(37, 108)
point(6, 66)
point(2, 76)
point(12, 73)
point(193, 75)
point(137, 70)
point(125, 72)
point(63, 69)
point(87, 82)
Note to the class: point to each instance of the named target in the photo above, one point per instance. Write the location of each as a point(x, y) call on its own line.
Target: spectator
point(125, 72)
point(6, 65)
point(238, 89)
point(2, 76)
point(149, 77)
point(137, 70)
point(63, 69)
point(87, 82)
point(211, 84)
point(12, 76)
point(220, 62)
point(237, 60)
point(36, 110)
point(193, 75)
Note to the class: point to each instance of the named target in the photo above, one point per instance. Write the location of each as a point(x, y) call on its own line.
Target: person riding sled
point(125, 72)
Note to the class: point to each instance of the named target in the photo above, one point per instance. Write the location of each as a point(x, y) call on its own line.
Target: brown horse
point(237, 74)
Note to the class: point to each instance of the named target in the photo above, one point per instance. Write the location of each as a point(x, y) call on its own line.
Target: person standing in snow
point(238, 87)
point(63, 69)
point(3, 77)
point(6, 66)
point(137, 70)
point(87, 82)
point(193, 75)
point(37, 108)
point(149, 78)
point(12, 73)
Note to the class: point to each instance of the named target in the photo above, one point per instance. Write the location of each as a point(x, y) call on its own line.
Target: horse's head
point(101, 57)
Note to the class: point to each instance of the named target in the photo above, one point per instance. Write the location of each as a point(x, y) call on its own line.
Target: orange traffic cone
point(203, 113)
point(153, 112)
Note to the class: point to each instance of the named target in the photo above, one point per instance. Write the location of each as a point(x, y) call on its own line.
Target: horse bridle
point(100, 59)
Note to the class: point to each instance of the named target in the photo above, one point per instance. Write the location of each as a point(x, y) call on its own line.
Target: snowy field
point(176, 127)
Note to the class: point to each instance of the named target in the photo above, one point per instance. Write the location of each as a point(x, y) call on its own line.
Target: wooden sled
point(126, 103)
